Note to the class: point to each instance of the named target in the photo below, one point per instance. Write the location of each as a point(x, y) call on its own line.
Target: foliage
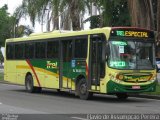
point(5, 25)
point(157, 92)
point(1, 76)
point(9, 26)
point(95, 21)
point(114, 13)
point(120, 15)
point(23, 30)
point(71, 11)
point(76, 9)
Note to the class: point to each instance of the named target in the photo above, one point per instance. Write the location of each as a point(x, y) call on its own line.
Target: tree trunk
point(65, 21)
point(141, 12)
point(158, 22)
point(75, 15)
point(56, 22)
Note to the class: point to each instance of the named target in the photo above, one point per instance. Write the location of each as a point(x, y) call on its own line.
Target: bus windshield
point(131, 55)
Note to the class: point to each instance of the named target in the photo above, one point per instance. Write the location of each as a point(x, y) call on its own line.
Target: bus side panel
point(52, 73)
point(21, 67)
point(10, 71)
point(51, 81)
point(46, 73)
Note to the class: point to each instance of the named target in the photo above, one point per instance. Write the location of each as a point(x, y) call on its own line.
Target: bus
point(110, 60)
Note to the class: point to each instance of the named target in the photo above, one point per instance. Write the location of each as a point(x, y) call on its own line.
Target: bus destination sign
point(132, 33)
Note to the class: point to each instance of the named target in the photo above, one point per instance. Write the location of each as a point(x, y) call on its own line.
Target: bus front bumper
point(113, 88)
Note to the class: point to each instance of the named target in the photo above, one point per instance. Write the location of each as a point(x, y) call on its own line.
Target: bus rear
point(130, 61)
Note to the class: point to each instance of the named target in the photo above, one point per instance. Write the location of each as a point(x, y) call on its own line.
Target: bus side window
point(10, 51)
point(19, 51)
point(52, 49)
point(81, 48)
point(40, 50)
point(29, 50)
point(67, 51)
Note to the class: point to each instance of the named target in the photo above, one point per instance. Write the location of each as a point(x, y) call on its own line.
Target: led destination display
point(132, 33)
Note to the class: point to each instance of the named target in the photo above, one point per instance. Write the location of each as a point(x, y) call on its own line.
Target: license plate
point(136, 87)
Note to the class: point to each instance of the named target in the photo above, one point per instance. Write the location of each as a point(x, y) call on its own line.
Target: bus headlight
point(153, 79)
point(119, 77)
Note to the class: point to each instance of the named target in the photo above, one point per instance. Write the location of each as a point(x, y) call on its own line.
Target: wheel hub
point(83, 89)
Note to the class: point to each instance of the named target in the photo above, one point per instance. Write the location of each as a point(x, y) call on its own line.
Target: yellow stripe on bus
point(22, 67)
point(37, 69)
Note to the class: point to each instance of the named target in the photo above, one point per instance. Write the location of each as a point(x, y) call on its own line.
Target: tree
point(75, 9)
point(9, 27)
point(111, 13)
point(70, 10)
point(141, 12)
point(6, 25)
point(158, 23)
point(23, 30)
point(32, 8)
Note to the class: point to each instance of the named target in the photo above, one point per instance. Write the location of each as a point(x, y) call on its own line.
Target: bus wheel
point(82, 90)
point(122, 96)
point(29, 84)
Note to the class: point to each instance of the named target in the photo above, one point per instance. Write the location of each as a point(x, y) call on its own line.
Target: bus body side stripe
point(34, 72)
point(87, 71)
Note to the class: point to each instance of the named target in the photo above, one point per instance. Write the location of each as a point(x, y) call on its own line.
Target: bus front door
point(96, 64)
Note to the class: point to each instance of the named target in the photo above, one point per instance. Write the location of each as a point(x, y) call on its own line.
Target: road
point(15, 100)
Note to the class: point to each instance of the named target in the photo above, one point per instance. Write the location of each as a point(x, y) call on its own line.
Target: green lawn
point(1, 76)
point(157, 92)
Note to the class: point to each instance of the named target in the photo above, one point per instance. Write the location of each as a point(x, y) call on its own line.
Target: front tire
point(82, 90)
point(122, 96)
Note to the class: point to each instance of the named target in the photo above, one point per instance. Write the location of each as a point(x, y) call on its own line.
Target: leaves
point(113, 13)
point(9, 26)
point(5, 24)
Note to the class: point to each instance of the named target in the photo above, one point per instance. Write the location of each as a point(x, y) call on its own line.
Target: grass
point(157, 92)
point(1, 76)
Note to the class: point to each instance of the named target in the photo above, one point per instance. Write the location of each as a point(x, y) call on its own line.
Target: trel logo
point(52, 64)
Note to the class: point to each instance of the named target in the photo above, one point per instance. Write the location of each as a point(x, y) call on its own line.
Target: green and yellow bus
point(110, 60)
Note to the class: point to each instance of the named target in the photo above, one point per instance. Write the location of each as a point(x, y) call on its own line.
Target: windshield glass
point(131, 55)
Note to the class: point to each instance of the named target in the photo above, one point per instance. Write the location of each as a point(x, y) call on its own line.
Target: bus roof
point(59, 33)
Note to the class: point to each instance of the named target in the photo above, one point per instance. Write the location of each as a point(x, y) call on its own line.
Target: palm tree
point(23, 30)
point(74, 10)
point(70, 9)
point(32, 8)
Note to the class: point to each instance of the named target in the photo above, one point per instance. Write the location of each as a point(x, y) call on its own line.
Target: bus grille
point(136, 78)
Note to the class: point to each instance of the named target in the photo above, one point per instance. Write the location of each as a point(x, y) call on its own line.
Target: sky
point(12, 4)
